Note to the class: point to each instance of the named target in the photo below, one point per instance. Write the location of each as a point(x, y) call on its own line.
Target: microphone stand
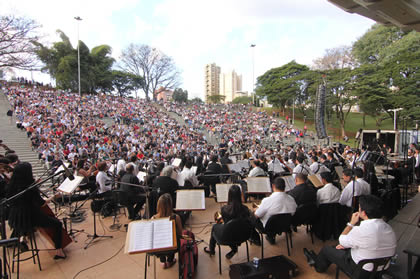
point(6, 202)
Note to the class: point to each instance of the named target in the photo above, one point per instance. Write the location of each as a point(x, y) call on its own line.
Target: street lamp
point(395, 116)
point(78, 18)
point(253, 73)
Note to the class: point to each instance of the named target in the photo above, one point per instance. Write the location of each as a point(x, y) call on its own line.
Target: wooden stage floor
point(105, 258)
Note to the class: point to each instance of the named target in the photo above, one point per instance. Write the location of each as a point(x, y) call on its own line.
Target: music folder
point(316, 180)
point(258, 185)
point(176, 162)
point(141, 175)
point(222, 191)
point(150, 236)
point(189, 200)
point(68, 186)
point(61, 168)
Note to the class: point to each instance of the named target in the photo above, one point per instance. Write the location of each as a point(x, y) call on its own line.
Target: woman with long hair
point(164, 210)
point(233, 210)
point(25, 211)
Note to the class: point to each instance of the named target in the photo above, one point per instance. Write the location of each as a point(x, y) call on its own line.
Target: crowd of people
point(145, 146)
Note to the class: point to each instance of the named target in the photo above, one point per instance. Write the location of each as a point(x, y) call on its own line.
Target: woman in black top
point(233, 210)
point(25, 211)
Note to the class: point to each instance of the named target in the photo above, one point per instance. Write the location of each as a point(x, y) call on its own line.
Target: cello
point(48, 233)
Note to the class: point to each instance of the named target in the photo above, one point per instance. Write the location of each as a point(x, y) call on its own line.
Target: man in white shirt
point(121, 164)
point(256, 169)
point(354, 188)
point(187, 174)
point(316, 167)
point(329, 193)
point(301, 167)
point(372, 239)
point(277, 203)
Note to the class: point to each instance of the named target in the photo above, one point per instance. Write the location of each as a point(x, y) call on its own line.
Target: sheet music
point(316, 180)
point(222, 191)
point(243, 164)
point(112, 168)
point(162, 233)
point(68, 186)
point(190, 200)
point(290, 182)
point(233, 159)
point(61, 168)
point(234, 168)
point(277, 168)
point(339, 171)
point(141, 236)
point(141, 175)
point(258, 185)
point(176, 162)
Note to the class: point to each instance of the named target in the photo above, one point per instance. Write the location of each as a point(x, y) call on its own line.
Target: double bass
point(48, 233)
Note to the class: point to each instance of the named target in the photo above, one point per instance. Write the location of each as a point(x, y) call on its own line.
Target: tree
point(284, 84)
point(197, 100)
point(124, 83)
point(242, 100)
point(180, 96)
point(60, 61)
point(335, 58)
point(216, 99)
point(157, 69)
point(17, 35)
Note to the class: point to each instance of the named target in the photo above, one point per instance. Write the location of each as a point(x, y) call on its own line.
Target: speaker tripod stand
point(95, 236)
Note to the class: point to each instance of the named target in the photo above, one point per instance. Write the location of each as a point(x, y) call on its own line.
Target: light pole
point(78, 18)
point(395, 116)
point(253, 73)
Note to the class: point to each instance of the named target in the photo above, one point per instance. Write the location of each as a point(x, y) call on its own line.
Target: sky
point(197, 32)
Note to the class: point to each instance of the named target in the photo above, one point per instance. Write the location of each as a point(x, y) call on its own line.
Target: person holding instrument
point(25, 211)
point(233, 210)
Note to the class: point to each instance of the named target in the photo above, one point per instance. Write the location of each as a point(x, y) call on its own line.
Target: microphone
point(68, 172)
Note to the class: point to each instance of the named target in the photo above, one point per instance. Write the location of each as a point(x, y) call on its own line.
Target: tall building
point(212, 82)
point(230, 86)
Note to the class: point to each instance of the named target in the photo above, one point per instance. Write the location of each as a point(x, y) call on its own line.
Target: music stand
point(68, 187)
point(95, 235)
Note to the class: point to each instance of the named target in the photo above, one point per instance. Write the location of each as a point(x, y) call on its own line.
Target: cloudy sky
point(197, 32)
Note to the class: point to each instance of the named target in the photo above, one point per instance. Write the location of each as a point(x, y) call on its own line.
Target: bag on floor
point(188, 255)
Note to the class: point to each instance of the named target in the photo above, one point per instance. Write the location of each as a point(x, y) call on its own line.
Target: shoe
point(208, 251)
point(256, 241)
point(271, 240)
point(294, 228)
point(169, 264)
point(309, 256)
point(58, 257)
point(230, 254)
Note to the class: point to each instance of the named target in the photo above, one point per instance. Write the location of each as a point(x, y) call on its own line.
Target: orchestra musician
point(25, 211)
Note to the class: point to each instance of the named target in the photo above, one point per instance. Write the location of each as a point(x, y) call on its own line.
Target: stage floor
point(105, 258)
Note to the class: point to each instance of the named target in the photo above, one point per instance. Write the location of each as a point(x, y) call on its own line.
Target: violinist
point(25, 211)
point(88, 174)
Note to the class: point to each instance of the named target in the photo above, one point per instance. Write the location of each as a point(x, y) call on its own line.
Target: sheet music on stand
point(176, 162)
point(194, 169)
point(189, 200)
point(258, 185)
point(234, 167)
point(277, 168)
point(233, 159)
point(290, 182)
point(61, 168)
point(339, 171)
point(150, 236)
point(222, 191)
point(68, 186)
point(316, 180)
point(243, 164)
point(141, 175)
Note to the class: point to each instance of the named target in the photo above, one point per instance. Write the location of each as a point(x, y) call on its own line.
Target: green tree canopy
point(60, 61)
point(125, 83)
point(242, 100)
point(180, 96)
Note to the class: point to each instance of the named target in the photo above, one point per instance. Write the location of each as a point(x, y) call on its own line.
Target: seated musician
point(165, 184)
point(164, 209)
point(233, 210)
point(372, 239)
point(135, 201)
point(301, 166)
point(256, 170)
point(25, 211)
point(187, 175)
point(104, 182)
point(277, 203)
point(88, 181)
point(303, 193)
point(329, 193)
point(354, 188)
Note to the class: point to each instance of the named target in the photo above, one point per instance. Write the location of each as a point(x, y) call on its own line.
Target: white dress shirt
point(187, 175)
point(328, 194)
point(276, 203)
point(372, 239)
point(104, 182)
point(257, 171)
point(301, 169)
point(360, 188)
point(120, 165)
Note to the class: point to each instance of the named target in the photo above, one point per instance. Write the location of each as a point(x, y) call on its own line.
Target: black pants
point(134, 205)
point(45, 221)
point(218, 231)
point(329, 255)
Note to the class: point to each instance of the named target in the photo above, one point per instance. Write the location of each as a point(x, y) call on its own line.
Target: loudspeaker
point(320, 112)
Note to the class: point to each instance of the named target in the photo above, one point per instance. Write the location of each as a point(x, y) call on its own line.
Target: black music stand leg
point(95, 235)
